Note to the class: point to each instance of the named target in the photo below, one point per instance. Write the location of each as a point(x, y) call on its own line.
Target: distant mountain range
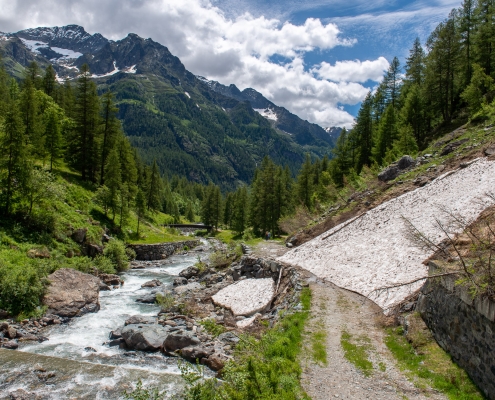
point(192, 126)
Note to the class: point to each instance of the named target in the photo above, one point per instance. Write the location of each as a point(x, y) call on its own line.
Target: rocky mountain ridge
point(169, 114)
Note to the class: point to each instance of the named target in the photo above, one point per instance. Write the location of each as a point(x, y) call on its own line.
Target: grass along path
point(359, 366)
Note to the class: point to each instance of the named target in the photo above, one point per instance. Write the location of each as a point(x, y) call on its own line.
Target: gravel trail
point(335, 310)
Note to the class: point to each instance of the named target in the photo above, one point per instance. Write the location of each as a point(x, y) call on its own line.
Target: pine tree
point(415, 64)
point(240, 210)
point(49, 81)
point(484, 43)
point(140, 207)
point(304, 186)
point(189, 212)
point(113, 173)
point(53, 138)
point(155, 189)
point(84, 145)
point(110, 130)
point(387, 133)
point(466, 30)
point(14, 168)
point(364, 132)
point(392, 82)
point(342, 163)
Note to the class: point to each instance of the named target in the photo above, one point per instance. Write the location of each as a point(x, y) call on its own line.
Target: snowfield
point(376, 249)
point(268, 113)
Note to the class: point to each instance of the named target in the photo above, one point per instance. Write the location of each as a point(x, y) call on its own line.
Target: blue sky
point(316, 58)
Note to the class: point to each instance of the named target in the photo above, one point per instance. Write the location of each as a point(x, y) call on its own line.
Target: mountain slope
point(167, 112)
point(303, 132)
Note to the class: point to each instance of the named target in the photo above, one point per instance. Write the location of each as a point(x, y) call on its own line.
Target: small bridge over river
point(190, 226)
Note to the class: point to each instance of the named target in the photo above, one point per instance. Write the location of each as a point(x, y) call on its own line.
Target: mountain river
point(76, 364)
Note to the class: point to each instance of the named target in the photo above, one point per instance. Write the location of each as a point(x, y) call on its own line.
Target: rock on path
point(246, 297)
point(376, 250)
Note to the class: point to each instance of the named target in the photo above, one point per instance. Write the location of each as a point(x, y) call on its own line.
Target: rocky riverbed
point(199, 317)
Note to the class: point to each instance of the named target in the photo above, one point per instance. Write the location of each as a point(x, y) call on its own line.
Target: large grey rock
point(3, 314)
point(144, 337)
point(405, 162)
point(180, 281)
point(72, 293)
point(79, 235)
point(178, 340)
point(189, 272)
point(193, 353)
point(139, 319)
point(110, 279)
point(389, 173)
point(490, 151)
point(185, 288)
point(149, 298)
point(11, 345)
point(151, 284)
point(215, 361)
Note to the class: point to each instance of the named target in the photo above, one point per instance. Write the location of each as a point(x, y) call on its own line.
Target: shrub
point(166, 301)
point(115, 250)
point(21, 287)
point(212, 327)
point(104, 264)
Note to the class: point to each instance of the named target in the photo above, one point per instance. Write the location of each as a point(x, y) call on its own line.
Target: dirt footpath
point(337, 310)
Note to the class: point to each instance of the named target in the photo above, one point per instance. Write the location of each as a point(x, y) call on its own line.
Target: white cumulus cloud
point(231, 49)
point(353, 71)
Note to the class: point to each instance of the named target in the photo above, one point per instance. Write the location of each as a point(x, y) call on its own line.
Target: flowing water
point(82, 365)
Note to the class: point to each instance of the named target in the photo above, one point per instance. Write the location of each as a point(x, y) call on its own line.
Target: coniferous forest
point(63, 148)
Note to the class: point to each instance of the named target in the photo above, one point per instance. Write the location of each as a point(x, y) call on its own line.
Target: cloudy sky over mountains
point(316, 58)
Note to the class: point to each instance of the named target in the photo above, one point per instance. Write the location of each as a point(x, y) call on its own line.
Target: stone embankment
point(160, 251)
point(206, 298)
point(463, 326)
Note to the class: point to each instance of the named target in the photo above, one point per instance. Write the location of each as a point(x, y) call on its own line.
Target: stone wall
point(160, 251)
point(462, 326)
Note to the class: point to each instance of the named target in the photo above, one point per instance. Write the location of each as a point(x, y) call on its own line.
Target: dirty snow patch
point(376, 249)
point(268, 113)
point(246, 297)
point(187, 94)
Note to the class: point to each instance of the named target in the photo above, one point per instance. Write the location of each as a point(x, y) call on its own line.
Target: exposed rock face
point(246, 297)
point(72, 293)
point(144, 337)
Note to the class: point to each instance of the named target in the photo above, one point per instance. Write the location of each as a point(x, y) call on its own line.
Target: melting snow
point(66, 53)
point(187, 94)
point(34, 45)
point(376, 250)
point(115, 70)
point(130, 70)
point(246, 297)
point(268, 113)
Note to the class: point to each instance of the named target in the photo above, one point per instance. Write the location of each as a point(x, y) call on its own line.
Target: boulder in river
point(144, 337)
point(110, 279)
point(189, 272)
point(149, 298)
point(72, 293)
point(193, 353)
point(178, 340)
point(139, 319)
point(11, 345)
point(151, 284)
